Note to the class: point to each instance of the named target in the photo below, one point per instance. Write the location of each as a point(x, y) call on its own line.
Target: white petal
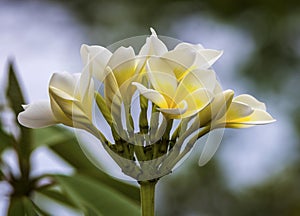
point(207, 57)
point(153, 46)
point(251, 101)
point(37, 115)
point(96, 58)
point(185, 45)
point(90, 52)
point(152, 95)
point(211, 146)
point(121, 55)
point(66, 82)
point(85, 80)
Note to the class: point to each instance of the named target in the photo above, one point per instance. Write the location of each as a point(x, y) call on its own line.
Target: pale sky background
point(44, 38)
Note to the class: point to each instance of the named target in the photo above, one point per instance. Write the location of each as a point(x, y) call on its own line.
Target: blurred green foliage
point(204, 191)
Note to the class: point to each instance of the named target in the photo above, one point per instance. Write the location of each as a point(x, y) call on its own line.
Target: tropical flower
point(181, 83)
point(246, 111)
point(71, 98)
point(178, 83)
point(179, 99)
point(228, 111)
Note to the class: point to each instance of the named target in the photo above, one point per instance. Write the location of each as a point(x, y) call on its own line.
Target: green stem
point(147, 197)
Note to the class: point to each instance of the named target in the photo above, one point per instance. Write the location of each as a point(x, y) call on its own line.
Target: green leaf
point(16, 99)
point(6, 140)
point(49, 136)
point(14, 92)
point(21, 206)
point(88, 193)
point(57, 196)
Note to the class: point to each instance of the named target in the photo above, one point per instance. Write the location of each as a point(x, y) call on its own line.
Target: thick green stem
point(147, 197)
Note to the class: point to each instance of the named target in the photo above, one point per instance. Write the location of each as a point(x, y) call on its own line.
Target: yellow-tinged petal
point(111, 89)
point(238, 110)
point(180, 60)
point(152, 95)
point(71, 99)
point(195, 80)
point(258, 117)
point(177, 112)
point(123, 64)
point(68, 110)
point(161, 80)
point(217, 108)
point(251, 101)
point(37, 115)
point(59, 113)
point(196, 101)
point(221, 103)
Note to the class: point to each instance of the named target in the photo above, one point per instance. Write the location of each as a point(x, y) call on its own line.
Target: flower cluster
point(179, 101)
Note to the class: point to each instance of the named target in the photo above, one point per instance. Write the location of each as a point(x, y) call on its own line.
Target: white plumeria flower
point(178, 99)
point(246, 111)
point(178, 83)
point(71, 97)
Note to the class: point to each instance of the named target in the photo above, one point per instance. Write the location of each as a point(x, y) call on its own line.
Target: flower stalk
point(147, 193)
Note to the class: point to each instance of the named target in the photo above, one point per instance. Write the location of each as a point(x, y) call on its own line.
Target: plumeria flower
point(179, 83)
point(246, 111)
point(121, 66)
point(178, 99)
point(71, 98)
point(115, 70)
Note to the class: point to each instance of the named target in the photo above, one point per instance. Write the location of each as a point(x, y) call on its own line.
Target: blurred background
point(256, 171)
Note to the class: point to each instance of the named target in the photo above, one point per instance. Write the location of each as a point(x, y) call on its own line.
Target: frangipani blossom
point(71, 98)
point(115, 70)
point(178, 99)
point(168, 84)
point(246, 111)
